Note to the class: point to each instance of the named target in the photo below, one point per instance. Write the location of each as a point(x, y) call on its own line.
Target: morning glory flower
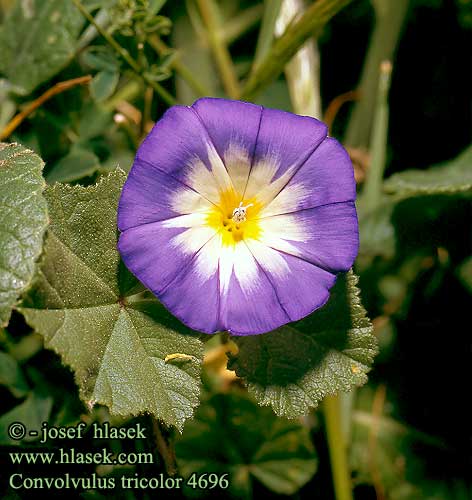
point(238, 217)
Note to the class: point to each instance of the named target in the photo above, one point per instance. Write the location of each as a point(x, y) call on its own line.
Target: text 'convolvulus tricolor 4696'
point(238, 217)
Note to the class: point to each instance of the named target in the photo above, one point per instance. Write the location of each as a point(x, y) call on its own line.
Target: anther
point(239, 213)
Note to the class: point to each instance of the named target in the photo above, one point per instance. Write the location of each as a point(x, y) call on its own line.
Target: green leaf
point(35, 410)
point(23, 220)
point(104, 84)
point(380, 228)
point(293, 368)
point(376, 230)
point(11, 375)
point(402, 224)
point(101, 58)
point(464, 273)
point(275, 451)
point(37, 40)
point(77, 164)
point(451, 177)
point(85, 305)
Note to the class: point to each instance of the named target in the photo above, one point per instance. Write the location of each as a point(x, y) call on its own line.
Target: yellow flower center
point(236, 219)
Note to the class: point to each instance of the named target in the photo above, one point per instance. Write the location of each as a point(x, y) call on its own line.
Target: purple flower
point(238, 217)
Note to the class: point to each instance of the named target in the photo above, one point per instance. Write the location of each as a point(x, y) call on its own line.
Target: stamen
point(239, 213)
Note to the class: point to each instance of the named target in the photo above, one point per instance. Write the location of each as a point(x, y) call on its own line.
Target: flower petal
point(179, 145)
point(157, 252)
point(249, 304)
point(193, 295)
point(326, 236)
point(326, 177)
point(301, 286)
point(284, 144)
point(150, 195)
point(233, 128)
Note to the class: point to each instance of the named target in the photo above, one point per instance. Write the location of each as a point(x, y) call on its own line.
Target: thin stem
point(241, 23)
point(335, 105)
point(337, 448)
point(125, 55)
point(56, 89)
point(373, 186)
point(310, 24)
point(165, 448)
point(390, 18)
point(103, 20)
point(377, 412)
point(266, 33)
point(219, 48)
point(162, 49)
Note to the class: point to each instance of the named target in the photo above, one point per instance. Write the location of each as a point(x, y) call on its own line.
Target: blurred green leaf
point(155, 6)
point(77, 164)
point(101, 58)
point(82, 303)
point(412, 222)
point(103, 84)
point(7, 105)
point(94, 120)
point(22, 223)
point(379, 228)
point(37, 40)
point(293, 368)
point(464, 272)
point(454, 176)
point(277, 452)
point(35, 410)
point(11, 375)
point(376, 231)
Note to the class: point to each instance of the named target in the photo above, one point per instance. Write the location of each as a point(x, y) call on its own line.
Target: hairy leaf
point(277, 452)
point(37, 40)
point(84, 303)
point(23, 219)
point(293, 368)
point(451, 177)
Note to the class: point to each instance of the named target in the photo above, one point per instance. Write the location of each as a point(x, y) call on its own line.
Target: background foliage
point(81, 83)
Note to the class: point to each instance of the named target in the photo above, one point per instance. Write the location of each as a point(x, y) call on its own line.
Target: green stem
point(208, 11)
point(266, 33)
point(241, 23)
point(310, 24)
point(161, 48)
point(372, 192)
point(165, 447)
point(125, 55)
point(337, 448)
point(390, 16)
